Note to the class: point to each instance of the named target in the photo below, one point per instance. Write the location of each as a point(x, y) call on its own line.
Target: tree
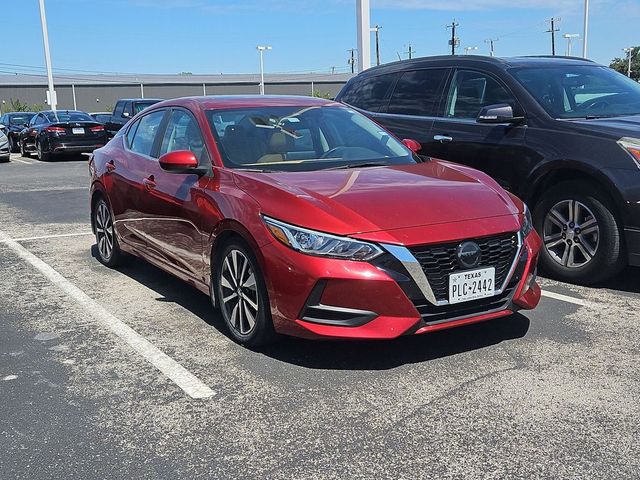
point(622, 64)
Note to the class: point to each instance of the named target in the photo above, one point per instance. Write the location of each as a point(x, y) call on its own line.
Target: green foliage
point(18, 106)
point(319, 94)
point(622, 64)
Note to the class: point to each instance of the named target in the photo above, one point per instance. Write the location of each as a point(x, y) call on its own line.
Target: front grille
point(439, 261)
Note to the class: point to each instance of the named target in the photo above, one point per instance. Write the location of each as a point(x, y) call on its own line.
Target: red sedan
point(301, 216)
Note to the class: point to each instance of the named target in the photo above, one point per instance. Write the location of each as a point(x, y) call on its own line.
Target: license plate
point(471, 285)
point(78, 131)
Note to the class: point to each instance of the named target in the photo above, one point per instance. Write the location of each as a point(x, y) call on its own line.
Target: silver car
point(4, 147)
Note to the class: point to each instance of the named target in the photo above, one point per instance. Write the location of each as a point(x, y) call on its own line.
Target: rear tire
point(242, 296)
point(42, 155)
point(582, 240)
point(13, 148)
point(109, 252)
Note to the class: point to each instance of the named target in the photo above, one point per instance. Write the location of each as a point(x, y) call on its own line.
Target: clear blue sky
point(213, 36)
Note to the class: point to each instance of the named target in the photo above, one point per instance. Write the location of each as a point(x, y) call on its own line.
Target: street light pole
point(628, 51)
point(469, 49)
point(262, 49)
point(570, 37)
point(376, 29)
point(53, 101)
point(585, 33)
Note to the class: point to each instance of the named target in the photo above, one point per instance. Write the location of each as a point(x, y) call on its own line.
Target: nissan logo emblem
point(469, 254)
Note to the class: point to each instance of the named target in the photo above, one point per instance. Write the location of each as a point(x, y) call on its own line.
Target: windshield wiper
point(358, 165)
point(254, 170)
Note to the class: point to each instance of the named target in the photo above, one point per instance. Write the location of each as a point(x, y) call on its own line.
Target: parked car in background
point(102, 117)
point(51, 133)
point(12, 124)
point(302, 216)
point(4, 147)
point(124, 110)
point(561, 133)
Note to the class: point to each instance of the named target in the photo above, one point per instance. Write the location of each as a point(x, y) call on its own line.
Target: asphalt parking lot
point(129, 374)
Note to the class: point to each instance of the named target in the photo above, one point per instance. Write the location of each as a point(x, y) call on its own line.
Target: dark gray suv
point(561, 133)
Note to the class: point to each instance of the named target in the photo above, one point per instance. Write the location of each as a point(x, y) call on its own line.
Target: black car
point(124, 110)
point(12, 124)
point(51, 133)
point(561, 133)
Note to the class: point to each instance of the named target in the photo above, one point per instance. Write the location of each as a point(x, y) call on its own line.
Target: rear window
point(20, 119)
point(68, 117)
point(418, 92)
point(369, 93)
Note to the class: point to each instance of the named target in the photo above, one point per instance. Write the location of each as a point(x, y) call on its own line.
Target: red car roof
point(239, 101)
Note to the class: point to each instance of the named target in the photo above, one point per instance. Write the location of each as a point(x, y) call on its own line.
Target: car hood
point(362, 200)
point(617, 127)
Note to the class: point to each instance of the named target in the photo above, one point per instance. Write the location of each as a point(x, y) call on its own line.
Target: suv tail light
point(98, 128)
point(632, 146)
point(55, 130)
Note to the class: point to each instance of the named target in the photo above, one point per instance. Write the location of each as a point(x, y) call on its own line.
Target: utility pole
point(553, 31)
point(585, 33)
point(410, 51)
point(352, 60)
point(454, 40)
point(51, 93)
point(570, 37)
point(376, 29)
point(262, 49)
point(491, 42)
point(628, 51)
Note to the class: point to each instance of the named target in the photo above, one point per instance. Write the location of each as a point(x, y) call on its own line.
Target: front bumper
point(315, 297)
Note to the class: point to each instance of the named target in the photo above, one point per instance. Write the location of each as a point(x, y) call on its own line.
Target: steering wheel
point(330, 153)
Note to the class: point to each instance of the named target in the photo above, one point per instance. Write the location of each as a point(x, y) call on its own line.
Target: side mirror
point(181, 161)
point(412, 145)
point(500, 113)
point(126, 114)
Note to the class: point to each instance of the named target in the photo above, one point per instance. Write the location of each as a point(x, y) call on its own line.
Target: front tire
point(109, 252)
point(581, 235)
point(242, 295)
point(13, 148)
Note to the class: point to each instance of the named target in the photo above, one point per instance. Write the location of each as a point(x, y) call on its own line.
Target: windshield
point(59, 116)
point(21, 119)
point(581, 91)
point(303, 139)
point(139, 106)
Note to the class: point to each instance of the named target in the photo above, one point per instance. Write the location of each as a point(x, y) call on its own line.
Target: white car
point(4, 148)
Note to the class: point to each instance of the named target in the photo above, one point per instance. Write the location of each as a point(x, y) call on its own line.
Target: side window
point(128, 108)
point(418, 92)
point(470, 91)
point(117, 112)
point(145, 133)
point(183, 133)
point(132, 132)
point(371, 93)
point(37, 120)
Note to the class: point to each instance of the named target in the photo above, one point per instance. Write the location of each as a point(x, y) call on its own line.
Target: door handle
point(149, 183)
point(443, 138)
point(110, 166)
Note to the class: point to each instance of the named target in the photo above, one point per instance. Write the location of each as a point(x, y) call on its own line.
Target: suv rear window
point(418, 92)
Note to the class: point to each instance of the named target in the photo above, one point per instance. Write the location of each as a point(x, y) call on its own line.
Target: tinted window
point(183, 133)
point(302, 139)
point(67, 116)
point(417, 92)
point(119, 109)
point(20, 119)
point(145, 133)
point(370, 93)
point(581, 91)
point(131, 133)
point(139, 106)
point(470, 91)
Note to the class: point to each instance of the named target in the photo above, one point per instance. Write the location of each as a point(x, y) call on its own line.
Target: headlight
point(321, 244)
point(527, 224)
point(632, 146)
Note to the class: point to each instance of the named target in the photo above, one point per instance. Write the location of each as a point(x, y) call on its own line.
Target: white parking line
point(46, 237)
point(188, 382)
point(566, 298)
point(14, 159)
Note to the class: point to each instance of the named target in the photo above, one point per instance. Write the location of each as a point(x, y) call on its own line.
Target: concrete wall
point(94, 98)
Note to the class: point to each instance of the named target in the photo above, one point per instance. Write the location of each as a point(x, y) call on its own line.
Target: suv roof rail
point(562, 57)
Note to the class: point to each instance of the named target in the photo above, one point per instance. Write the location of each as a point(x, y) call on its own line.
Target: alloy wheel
point(104, 231)
point(240, 297)
point(571, 234)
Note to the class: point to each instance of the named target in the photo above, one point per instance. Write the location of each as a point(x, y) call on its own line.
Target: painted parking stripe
point(46, 237)
point(184, 379)
point(565, 298)
point(13, 159)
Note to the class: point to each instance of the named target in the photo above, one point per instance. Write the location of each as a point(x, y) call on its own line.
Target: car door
point(128, 174)
point(413, 103)
point(29, 135)
point(458, 137)
point(172, 216)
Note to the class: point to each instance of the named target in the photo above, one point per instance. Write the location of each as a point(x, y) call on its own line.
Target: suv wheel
point(242, 295)
point(580, 234)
